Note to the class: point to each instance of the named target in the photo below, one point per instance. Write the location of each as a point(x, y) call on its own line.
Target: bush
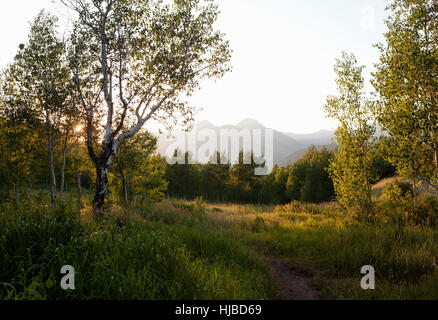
point(398, 204)
point(398, 193)
point(425, 211)
point(310, 208)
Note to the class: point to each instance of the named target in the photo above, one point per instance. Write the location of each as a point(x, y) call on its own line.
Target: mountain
point(294, 157)
point(250, 124)
point(287, 146)
point(320, 138)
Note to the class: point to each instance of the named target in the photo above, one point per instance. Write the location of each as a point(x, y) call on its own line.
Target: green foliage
point(399, 204)
point(17, 142)
point(213, 178)
point(309, 180)
point(406, 82)
point(426, 211)
point(274, 186)
point(398, 191)
point(138, 172)
point(42, 69)
point(352, 167)
point(37, 104)
point(382, 166)
point(183, 177)
point(242, 184)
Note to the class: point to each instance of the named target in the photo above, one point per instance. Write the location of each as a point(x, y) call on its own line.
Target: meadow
point(196, 250)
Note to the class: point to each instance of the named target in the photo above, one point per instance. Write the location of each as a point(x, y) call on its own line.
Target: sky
point(283, 56)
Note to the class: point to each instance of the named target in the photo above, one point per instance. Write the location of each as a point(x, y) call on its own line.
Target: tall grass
point(127, 256)
point(192, 250)
point(333, 247)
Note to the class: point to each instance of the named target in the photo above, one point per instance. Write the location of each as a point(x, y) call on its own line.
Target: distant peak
point(250, 124)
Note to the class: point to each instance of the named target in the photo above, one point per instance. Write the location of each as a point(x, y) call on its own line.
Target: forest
point(83, 184)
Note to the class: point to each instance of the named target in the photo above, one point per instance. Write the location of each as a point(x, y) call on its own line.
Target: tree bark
point(102, 163)
point(51, 160)
point(101, 190)
point(52, 167)
point(125, 188)
point(61, 195)
point(436, 161)
point(64, 154)
point(78, 183)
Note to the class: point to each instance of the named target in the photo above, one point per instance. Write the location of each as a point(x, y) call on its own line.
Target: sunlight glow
point(79, 128)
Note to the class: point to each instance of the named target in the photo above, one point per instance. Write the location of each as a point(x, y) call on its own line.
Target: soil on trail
point(293, 285)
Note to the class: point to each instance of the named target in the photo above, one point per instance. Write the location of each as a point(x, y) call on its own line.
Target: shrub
point(310, 208)
point(398, 193)
point(398, 204)
point(425, 211)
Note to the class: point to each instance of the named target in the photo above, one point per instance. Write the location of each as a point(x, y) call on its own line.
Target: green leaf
point(49, 283)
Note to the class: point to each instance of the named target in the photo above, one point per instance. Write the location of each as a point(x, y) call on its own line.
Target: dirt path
point(293, 285)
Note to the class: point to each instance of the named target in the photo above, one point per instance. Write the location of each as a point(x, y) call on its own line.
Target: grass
point(332, 249)
point(192, 250)
point(126, 256)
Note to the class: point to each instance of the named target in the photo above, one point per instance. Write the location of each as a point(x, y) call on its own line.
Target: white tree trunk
point(64, 155)
point(52, 166)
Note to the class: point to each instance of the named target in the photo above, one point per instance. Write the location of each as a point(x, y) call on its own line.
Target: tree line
point(307, 180)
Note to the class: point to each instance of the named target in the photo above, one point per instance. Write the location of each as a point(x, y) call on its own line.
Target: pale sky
point(284, 53)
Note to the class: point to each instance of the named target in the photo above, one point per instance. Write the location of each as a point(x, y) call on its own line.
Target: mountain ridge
point(287, 145)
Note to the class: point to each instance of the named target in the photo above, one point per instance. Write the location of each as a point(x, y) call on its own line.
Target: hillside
point(319, 138)
point(294, 157)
